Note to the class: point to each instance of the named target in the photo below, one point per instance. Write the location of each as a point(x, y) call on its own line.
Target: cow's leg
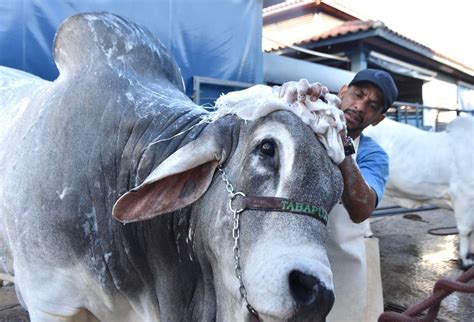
point(465, 223)
point(51, 293)
point(471, 246)
point(465, 247)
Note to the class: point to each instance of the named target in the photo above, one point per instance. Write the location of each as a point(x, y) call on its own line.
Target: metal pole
point(400, 210)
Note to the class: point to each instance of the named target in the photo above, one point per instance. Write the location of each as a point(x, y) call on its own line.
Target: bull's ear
point(177, 182)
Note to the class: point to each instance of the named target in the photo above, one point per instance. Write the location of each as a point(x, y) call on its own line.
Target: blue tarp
point(212, 38)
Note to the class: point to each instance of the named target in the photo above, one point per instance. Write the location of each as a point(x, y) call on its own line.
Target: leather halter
point(283, 205)
point(273, 204)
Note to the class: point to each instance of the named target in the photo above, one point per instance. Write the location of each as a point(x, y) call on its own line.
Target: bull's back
point(18, 89)
point(423, 165)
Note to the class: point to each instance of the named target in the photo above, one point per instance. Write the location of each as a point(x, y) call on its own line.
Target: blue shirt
point(373, 164)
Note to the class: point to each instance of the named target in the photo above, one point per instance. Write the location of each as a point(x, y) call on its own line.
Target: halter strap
point(284, 205)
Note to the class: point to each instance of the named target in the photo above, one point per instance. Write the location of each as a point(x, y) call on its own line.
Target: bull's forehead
point(256, 102)
point(301, 169)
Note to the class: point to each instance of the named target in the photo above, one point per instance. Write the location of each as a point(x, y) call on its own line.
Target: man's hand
point(320, 109)
point(292, 92)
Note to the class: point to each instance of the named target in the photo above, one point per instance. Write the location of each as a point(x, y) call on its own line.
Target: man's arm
point(358, 197)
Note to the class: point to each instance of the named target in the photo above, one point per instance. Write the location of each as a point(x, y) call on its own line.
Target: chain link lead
point(236, 236)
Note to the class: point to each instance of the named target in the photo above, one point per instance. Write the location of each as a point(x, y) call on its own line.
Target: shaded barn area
point(412, 260)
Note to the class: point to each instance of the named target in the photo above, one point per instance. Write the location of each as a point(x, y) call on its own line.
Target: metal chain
point(236, 236)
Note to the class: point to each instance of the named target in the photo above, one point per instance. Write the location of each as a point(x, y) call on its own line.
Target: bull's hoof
point(467, 263)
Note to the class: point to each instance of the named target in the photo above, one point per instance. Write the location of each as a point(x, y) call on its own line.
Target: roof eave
point(424, 51)
point(329, 41)
point(300, 8)
point(387, 36)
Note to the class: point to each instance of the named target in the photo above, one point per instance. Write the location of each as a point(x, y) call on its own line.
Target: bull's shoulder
point(91, 41)
point(393, 133)
point(393, 126)
point(463, 124)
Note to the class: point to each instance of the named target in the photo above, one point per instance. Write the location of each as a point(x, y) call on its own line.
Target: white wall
point(437, 93)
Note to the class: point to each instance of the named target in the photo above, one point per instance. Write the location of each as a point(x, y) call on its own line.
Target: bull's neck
point(157, 138)
point(181, 273)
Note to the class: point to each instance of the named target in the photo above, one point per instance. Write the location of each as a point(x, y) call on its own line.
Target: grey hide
point(117, 112)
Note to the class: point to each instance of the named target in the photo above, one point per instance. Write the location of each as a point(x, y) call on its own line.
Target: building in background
point(218, 46)
point(326, 42)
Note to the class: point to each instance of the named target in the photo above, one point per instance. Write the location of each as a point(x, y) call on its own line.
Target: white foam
point(325, 120)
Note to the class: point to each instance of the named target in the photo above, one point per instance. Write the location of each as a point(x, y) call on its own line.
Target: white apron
point(355, 263)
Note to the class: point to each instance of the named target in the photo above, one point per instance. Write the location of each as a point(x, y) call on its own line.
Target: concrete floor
point(10, 309)
point(411, 262)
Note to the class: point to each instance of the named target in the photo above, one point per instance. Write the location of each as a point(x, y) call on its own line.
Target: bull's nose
point(309, 293)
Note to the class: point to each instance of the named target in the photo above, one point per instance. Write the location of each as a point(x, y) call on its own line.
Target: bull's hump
point(94, 40)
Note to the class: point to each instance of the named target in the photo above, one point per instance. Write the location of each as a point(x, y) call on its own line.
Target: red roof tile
point(341, 30)
point(349, 27)
point(356, 26)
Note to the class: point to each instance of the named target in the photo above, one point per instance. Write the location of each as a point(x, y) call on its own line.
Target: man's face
point(362, 105)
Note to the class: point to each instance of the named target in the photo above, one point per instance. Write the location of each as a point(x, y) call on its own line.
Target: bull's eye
point(267, 147)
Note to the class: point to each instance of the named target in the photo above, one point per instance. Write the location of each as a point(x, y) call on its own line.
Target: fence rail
point(412, 113)
point(397, 210)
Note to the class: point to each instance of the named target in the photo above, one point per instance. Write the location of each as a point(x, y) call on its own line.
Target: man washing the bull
point(354, 257)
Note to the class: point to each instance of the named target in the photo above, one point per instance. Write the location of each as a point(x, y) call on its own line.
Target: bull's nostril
point(310, 295)
point(303, 287)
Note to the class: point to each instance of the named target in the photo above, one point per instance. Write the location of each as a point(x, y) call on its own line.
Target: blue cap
point(382, 80)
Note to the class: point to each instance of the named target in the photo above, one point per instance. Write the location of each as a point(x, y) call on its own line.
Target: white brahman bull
point(117, 124)
point(433, 168)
